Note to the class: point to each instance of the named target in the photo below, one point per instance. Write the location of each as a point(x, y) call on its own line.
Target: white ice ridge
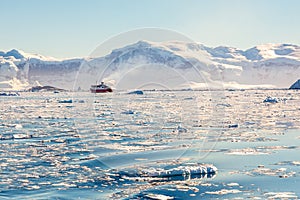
point(180, 171)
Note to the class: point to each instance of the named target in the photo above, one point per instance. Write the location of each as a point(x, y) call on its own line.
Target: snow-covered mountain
point(20, 70)
point(166, 65)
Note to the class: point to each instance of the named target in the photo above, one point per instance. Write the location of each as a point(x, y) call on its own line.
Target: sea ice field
point(79, 145)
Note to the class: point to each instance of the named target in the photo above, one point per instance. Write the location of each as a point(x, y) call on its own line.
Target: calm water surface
point(94, 147)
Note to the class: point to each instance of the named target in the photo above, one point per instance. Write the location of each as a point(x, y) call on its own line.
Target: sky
point(75, 28)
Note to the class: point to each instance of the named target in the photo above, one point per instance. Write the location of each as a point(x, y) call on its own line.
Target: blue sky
point(72, 28)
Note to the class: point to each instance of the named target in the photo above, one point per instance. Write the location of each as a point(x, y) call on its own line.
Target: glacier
point(157, 65)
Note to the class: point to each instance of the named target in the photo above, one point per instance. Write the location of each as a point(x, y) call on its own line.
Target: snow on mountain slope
point(20, 70)
point(195, 63)
point(18, 54)
point(165, 65)
point(272, 51)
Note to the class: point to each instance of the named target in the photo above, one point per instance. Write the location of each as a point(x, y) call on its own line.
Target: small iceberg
point(65, 101)
point(21, 136)
point(46, 88)
point(233, 126)
point(128, 112)
point(295, 86)
point(223, 105)
point(18, 126)
point(271, 100)
point(139, 92)
point(180, 171)
point(158, 196)
point(180, 129)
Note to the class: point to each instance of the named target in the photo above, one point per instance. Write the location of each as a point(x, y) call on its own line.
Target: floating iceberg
point(140, 92)
point(128, 112)
point(65, 101)
point(158, 196)
point(180, 171)
point(21, 136)
point(271, 100)
point(46, 88)
point(295, 86)
point(233, 126)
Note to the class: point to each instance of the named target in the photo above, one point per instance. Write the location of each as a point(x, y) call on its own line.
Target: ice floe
point(139, 92)
point(247, 151)
point(21, 136)
point(65, 101)
point(9, 94)
point(128, 112)
point(179, 171)
point(158, 196)
point(224, 191)
point(296, 163)
point(233, 126)
point(281, 195)
point(280, 172)
point(232, 184)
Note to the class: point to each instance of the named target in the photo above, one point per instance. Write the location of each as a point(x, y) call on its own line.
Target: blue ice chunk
point(140, 92)
point(65, 101)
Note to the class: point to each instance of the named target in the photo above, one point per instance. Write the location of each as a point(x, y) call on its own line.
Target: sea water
point(91, 146)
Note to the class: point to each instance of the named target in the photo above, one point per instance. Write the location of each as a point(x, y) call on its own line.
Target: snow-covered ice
point(180, 171)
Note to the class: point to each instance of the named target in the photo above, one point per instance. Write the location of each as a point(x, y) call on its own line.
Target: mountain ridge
point(269, 65)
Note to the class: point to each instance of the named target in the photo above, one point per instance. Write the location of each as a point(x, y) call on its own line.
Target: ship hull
point(101, 90)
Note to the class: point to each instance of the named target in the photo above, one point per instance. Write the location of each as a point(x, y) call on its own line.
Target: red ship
point(101, 88)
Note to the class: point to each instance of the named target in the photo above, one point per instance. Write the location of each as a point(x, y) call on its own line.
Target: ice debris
point(140, 92)
point(247, 151)
point(271, 100)
point(233, 125)
point(223, 105)
point(128, 112)
point(9, 94)
point(281, 195)
point(65, 101)
point(297, 163)
point(280, 172)
point(180, 129)
point(223, 192)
